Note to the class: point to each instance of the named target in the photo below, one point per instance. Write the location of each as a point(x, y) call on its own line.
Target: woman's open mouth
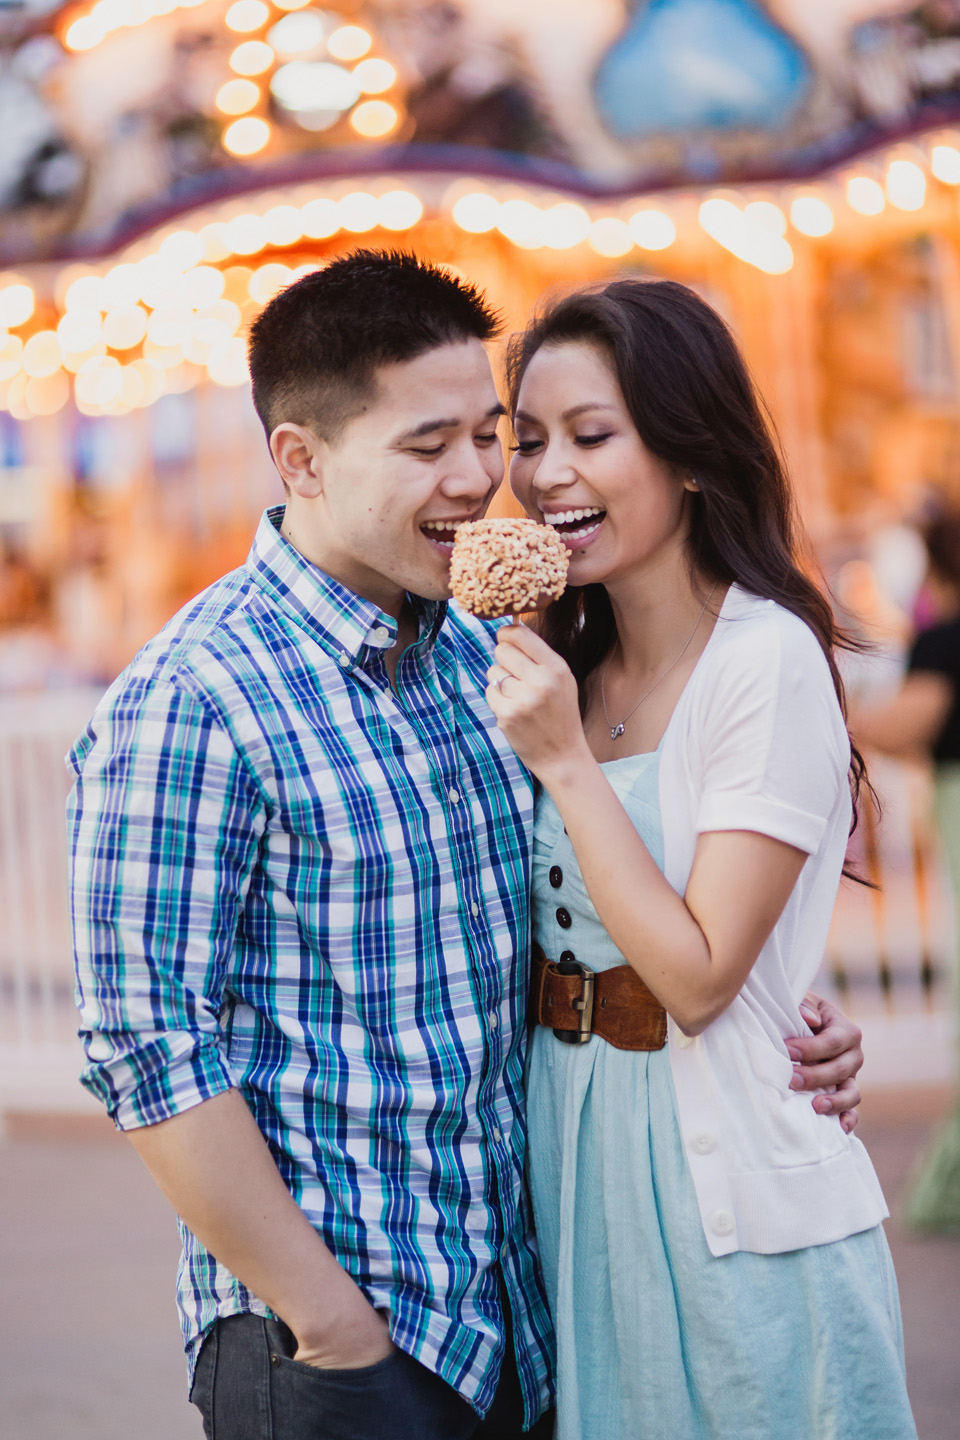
point(576, 528)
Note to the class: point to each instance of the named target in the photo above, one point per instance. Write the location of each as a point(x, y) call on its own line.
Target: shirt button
point(556, 876)
point(494, 1020)
point(380, 635)
point(343, 659)
point(453, 796)
point(722, 1223)
point(683, 1042)
point(703, 1143)
point(564, 919)
point(496, 1133)
point(567, 957)
point(474, 909)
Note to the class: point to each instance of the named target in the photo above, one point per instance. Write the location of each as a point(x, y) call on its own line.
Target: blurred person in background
point(922, 720)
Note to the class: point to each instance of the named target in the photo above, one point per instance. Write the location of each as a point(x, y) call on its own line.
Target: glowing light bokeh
point(865, 195)
point(755, 243)
point(374, 76)
point(945, 164)
point(236, 97)
point(359, 212)
point(349, 42)
point(314, 85)
point(476, 212)
point(906, 185)
point(374, 119)
point(610, 236)
point(17, 303)
point(765, 212)
point(811, 215)
point(247, 136)
point(296, 34)
point(564, 225)
point(247, 15)
point(253, 57)
point(652, 229)
point(399, 210)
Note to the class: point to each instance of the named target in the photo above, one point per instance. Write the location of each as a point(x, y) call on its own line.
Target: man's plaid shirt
point(289, 879)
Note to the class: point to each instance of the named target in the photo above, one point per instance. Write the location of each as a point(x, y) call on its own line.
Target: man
point(300, 872)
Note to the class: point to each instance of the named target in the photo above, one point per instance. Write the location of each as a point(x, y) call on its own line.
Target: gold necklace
point(617, 728)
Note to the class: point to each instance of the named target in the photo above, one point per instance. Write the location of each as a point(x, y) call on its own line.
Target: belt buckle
point(584, 1005)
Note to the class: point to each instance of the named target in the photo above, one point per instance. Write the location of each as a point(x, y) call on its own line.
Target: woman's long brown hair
point(693, 403)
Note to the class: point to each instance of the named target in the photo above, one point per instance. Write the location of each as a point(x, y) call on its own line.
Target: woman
point(923, 720)
point(712, 1245)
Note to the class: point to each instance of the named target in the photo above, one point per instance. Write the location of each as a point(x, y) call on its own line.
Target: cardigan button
point(567, 957)
point(703, 1143)
point(722, 1223)
point(556, 876)
point(564, 918)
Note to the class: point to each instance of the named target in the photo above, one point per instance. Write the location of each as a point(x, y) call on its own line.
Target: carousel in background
point(168, 166)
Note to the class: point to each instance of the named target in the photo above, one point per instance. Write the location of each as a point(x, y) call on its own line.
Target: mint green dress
point(658, 1339)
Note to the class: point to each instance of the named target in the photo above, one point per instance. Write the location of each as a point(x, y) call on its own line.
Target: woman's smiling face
point(580, 466)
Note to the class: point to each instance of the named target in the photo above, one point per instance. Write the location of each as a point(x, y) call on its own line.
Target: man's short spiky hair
point(315, 348)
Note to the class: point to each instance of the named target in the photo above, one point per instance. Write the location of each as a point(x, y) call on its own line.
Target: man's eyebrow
point(427, 427)
point(570, 414)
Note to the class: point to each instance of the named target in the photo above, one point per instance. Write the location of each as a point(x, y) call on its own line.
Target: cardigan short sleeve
point(775, 750)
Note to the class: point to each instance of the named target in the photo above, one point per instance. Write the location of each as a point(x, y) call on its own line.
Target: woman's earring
point(691, 484)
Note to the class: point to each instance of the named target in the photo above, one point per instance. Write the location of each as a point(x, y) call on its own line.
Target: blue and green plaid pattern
point(289, 879)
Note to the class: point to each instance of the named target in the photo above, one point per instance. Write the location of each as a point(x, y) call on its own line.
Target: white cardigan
point(757, 742)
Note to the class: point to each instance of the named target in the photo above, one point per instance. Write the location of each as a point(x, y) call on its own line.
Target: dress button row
point(556, 876)
point(564, 918)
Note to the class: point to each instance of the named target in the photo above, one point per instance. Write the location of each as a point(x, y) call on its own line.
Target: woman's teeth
point(564, 518)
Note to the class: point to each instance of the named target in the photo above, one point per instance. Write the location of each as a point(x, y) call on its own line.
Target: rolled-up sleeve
point(164, 823)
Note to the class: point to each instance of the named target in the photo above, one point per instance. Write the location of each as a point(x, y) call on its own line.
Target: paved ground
point(89, 1348)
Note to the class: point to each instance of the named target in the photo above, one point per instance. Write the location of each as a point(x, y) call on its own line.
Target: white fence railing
point(40, 1055)
point(888, 960)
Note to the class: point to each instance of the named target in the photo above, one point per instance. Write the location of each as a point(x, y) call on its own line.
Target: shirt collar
point(352, 630)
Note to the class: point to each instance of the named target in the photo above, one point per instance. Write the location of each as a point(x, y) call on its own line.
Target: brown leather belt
point(577, 1002)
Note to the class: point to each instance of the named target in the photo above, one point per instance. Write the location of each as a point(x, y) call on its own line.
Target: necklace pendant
point(616, 731)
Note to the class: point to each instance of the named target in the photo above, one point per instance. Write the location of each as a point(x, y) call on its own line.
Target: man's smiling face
point(420, 457)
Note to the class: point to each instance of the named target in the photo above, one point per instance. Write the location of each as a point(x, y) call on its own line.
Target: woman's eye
point(593, 439)
point(487, 439)
point(527, 447)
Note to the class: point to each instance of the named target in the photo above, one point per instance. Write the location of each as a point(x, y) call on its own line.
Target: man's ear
point(298, 455)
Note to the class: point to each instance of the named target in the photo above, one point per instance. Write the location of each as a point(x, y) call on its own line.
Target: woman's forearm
point(694, 951)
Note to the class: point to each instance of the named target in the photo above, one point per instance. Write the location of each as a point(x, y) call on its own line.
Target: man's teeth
point(567, 517)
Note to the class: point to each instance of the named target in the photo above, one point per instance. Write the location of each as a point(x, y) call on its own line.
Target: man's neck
point(408, 629)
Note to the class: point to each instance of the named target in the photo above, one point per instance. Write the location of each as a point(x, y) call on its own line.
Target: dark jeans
point(248, 1387)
